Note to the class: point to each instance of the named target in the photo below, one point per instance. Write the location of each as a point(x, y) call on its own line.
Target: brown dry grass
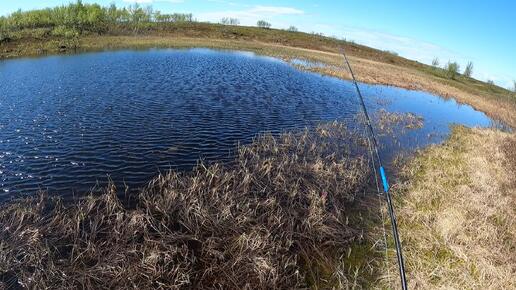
point(456, 213)
point(277, 218)
point(389, 121)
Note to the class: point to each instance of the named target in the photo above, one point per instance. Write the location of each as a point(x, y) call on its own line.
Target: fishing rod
point(394, 224)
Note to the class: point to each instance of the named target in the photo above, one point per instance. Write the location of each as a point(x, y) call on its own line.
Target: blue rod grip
point(384, 179)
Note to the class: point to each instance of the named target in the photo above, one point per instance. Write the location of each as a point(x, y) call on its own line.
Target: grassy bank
point(456, 211)
point(279, 218)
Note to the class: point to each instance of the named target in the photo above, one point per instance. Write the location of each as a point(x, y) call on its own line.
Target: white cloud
point(410, 48)
point(275, 10)
point(251, 15)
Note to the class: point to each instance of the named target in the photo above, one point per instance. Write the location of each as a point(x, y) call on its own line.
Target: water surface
point(69, 122)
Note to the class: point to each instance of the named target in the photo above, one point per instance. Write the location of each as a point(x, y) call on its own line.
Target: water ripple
point(69, 122)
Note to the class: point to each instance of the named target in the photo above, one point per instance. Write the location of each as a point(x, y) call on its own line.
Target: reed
point(276, 218)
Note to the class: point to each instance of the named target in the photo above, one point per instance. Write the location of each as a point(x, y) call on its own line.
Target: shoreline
point(370, 71)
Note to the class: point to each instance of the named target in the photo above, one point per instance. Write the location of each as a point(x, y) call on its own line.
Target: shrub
point(469, 69)
point(514, 88)
point(229, 21)
point(435, 62)
point(292, 29)
point(452, 69)
point(490, 82)
point(88, 17)
point(263, 24)
point(5, 34)
point(63, 31)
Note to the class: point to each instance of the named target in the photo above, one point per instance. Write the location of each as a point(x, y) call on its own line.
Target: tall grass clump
point(277, 218)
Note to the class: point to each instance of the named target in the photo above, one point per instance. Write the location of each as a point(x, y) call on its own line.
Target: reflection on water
point(68, 122)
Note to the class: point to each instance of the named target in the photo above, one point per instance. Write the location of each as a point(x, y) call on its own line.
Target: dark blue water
point(68, 122)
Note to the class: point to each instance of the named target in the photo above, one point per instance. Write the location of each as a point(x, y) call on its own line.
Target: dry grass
point(388, 122)
point(456, 213)
point(277, 218)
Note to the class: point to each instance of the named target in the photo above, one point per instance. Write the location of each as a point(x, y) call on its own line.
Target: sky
point(483, 32)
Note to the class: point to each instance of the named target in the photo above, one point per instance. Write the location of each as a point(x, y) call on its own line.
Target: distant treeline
point(78, 17)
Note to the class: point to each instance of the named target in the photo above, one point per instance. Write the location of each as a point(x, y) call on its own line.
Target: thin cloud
point(275, 10)
point(251, 15)
point(410, 48)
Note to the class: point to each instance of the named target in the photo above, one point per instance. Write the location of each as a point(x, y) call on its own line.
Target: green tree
point(452, 69)
point(137, 15)
point(469, 69)
point(263, 24)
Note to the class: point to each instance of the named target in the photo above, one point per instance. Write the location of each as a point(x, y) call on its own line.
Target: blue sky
point(483, 32)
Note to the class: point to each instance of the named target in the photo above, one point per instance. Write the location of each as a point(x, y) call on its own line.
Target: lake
point(71, 122)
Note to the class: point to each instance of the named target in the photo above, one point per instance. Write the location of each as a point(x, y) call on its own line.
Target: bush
point(490, 82)
point(63, 31)
point(469, 69)
point(452, 69)
point(263, 24)
point(229, 21)
point(435, 62)
point(292, 29)
point(5, 35)
point(88, 17)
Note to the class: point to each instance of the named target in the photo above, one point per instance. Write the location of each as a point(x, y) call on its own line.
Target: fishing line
point(380, 206)
point(383, 176)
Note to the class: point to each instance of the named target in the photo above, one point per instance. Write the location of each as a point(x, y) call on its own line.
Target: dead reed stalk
point(272, 220)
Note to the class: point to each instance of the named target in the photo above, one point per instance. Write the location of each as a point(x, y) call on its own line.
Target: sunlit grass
point(456, 212)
